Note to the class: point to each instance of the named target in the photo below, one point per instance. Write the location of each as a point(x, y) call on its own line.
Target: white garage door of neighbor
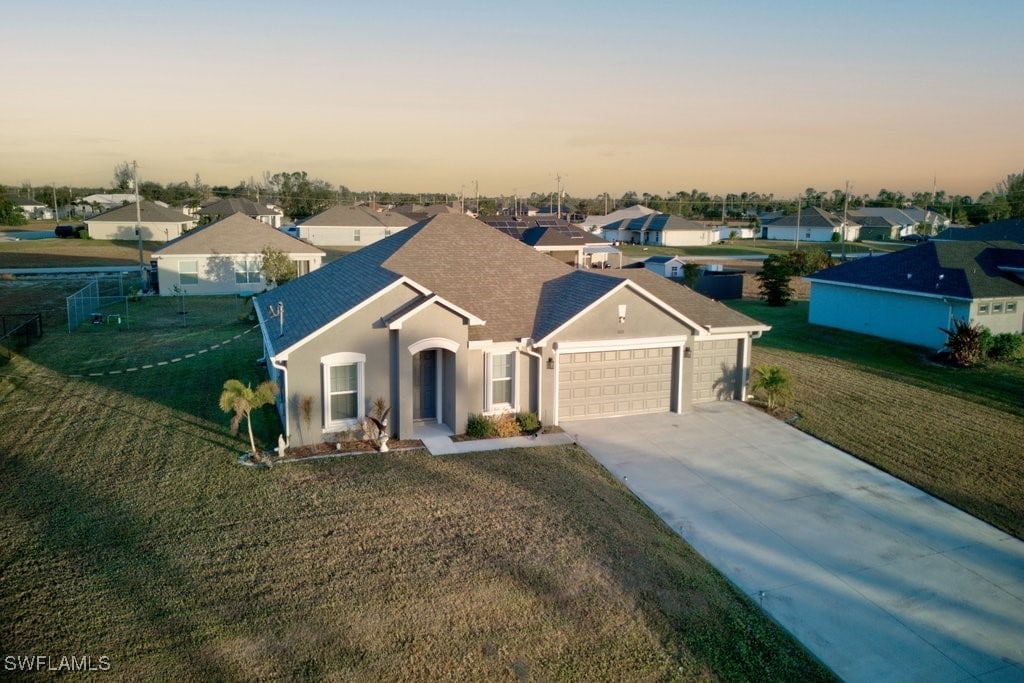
point(607, 383)
point(715, 372)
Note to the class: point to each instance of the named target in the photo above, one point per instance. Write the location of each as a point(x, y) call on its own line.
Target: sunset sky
point(431, 96)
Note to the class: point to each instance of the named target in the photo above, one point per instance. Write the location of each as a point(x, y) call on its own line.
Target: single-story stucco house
point(449, 318)
point(351, 226)
point(226, 206)
point(912, 295)
point(815, 225)
point(660, 229)
point(225, 257)
point(157, 223)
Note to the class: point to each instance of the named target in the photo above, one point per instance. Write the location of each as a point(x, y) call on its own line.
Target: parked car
point(68, 230)
point(914, 237)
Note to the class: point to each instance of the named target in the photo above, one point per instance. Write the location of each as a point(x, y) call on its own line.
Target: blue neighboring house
point(912, 295)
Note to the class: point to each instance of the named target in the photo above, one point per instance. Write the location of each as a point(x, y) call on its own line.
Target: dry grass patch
point(55, 252)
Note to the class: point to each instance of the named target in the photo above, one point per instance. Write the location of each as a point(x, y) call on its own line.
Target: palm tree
point(775, 383)
point(243, 400)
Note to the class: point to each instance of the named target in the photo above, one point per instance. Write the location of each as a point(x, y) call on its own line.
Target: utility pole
point(138, 224)
point(476, 187)
point(56, 211)
point(799, 205)
point(846, 206)
point(558, 192)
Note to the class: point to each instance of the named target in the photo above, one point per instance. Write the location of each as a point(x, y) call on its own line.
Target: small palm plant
point(243, 399)
point(774, 383)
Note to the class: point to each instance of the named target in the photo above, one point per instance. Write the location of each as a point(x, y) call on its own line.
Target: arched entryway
point(433, 382)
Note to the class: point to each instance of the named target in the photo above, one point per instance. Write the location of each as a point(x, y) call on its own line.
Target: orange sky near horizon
point(432, 103)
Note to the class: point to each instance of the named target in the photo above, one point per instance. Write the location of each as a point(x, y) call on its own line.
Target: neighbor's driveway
point(878, 579)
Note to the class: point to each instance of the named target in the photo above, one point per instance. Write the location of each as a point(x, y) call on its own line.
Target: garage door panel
point(716, 374)
point(622, 382)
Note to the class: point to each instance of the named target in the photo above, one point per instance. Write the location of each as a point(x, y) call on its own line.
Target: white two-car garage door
point(622, 382)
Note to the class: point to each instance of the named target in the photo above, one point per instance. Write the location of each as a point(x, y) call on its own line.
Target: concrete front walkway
point(437, 440)
point(879, 580)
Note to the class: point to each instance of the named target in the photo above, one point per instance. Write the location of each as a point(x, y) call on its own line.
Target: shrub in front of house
point(480, 427)
point(1007, 346)
point(528, 422)
point(505, 425)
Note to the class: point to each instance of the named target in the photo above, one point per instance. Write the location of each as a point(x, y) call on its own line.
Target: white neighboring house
point(157, 224)
point(96, 204)
point(932, 218)
point(660, 229)
point(743, 232)
point(225, 257)
point(351, 226)
point(816, 225)
point(32, 209)
point(666, 266)
point(897, 218)
point(223, 208)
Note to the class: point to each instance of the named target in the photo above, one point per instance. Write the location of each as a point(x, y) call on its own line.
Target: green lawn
point(55, 252)
point(956, 433)
point(127, 530)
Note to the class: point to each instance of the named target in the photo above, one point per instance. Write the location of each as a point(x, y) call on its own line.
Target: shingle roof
point(358, 217)
point(660, 259)
point(656, 222)
point(150, 213)
point(1011, 229)
point(519, 291)
point(236, 234)
point(628, 213)
point(18, 200)
point(813, 217)
point(230, 205)
point(963, 270)
point(890, 214)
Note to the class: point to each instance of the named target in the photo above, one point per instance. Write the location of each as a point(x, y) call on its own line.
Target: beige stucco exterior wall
point(338, 236)
point(686, 238)
point(998, 323)
point(151, 232)
point(216, 273)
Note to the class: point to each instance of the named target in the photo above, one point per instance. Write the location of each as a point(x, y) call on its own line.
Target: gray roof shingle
point(358, 217)
point(230, 205)
point(150, 213)
point(963, 270)
point(1009, 229)
point(236, 234)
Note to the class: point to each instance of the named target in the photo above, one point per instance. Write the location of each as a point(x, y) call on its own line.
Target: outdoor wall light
point(687, 352)
point(551, 363)
point(622, 313)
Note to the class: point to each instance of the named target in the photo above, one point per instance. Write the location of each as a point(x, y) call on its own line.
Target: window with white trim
point(343, 380)
point(247, 271)
point(997, 308)
point(982, 309)
point(501, 381)
point(188, 272)
point(1011, 306)
point(356, 236)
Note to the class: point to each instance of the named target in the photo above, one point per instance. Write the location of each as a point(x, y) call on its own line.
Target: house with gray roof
point(352, 226)
point(225, 257)
point(1008, 229)
point(812, 224)
point(934, 219)
point(912, 295)
point(156, 223)
point(440, 333)
point(32, 209)
point(222, 208)
point(559, 238)
point(665, 266)
point(660, 229)
point(883, 223)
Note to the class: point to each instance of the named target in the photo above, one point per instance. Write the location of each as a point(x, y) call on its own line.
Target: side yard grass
point(54, 252)
point(956, 433)
point(127, 530)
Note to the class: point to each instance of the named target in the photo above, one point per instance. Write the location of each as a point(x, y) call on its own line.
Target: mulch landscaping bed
point(347, 447)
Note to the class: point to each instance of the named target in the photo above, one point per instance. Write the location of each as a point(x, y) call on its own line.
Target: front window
point(188, 272)
point(343, 390)
point(501, 380)
point(997, 308)
point(247, 271)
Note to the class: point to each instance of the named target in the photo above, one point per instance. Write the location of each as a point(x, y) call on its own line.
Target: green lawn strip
point(945, 443)
point(128, 531)
point(997, 385)
point(55, 252)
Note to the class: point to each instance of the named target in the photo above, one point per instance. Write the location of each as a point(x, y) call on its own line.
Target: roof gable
point(358, 217)
point(236, 234)
point(230, 205)
point(149, 212)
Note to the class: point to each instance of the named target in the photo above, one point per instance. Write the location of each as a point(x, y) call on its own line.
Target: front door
point(424, 380)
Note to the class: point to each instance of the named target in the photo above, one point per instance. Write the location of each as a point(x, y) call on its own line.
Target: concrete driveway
point(879, 580)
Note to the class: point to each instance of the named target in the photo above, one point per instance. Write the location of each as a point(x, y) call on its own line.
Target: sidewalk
point(437, 440)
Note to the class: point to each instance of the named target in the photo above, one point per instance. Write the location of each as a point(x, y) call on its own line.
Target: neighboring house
point(912, 295)
point(157, 223)
point(883, 222)
point(222, 208)
point(351, 226)
point(815, 225)
point(660, 229)
point(665, 266)
point(449, 318)
point(32, 209)
point(1011, 229)
point(626, 214)
point(417, 212)
point(95, 204)
point(932, 218)
point(225, 257)
point(740, 232)
point(562, 240)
